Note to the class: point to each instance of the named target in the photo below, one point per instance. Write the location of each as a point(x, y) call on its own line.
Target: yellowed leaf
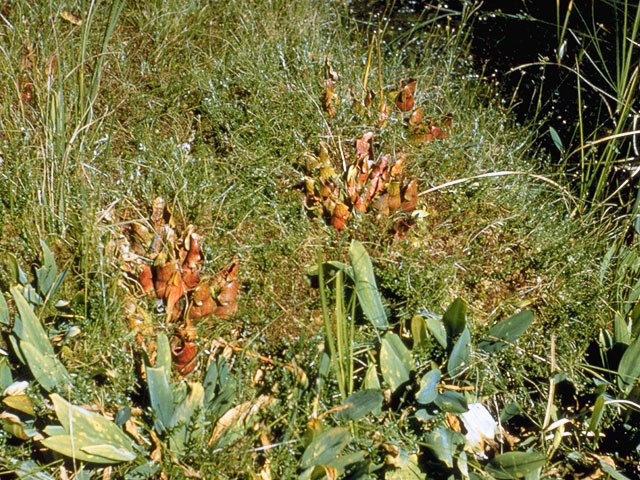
point(71, 18)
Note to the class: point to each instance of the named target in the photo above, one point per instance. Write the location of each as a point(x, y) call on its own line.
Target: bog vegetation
point(270, 239)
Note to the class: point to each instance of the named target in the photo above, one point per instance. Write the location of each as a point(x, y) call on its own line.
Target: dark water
point(510, 39)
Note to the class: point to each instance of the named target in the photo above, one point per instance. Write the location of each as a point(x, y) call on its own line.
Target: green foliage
point(516, 464)
point(506, 332)
point(396, 362)
point(87, 436)
point(366, 288)
point(29, 339)
point(629, 368)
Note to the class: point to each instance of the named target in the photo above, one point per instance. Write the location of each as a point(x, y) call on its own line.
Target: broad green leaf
point(184, 423)
point(73, 448)
point(395, 361)
point(429, 387)
point(455, 318)
point(4, 311)
point(366, 288)
point(160, 396)
point(54, 430)
point(505, 332)
point(452, 402)
point(30, 470)
point(340, 463)
point(45, 367)
point(443, 443)
point(411, 471)
point(17, 274)
point(34, 347)
point(326, 447)
point(629, 367)
point(96, 428)
point(360, 404)
point(48, 272)
point(163, 358)
point(27, 326)
point(111, 452)
point(436, 328)
point(371, 380)
point(513, 465)
point(6, 378)
point(621, 332)
point(459, 356)
point(418, 330)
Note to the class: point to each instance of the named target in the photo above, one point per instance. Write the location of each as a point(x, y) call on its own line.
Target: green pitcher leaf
point(360, 404)
point(444, 443)
point(366, 288)
point(459, 357)
point(455, 318)
point(429, 387)
point(418, 330)
point(513, 465)
point(395, 361)
point(629, 367)
point(326, 447)
point(505, 332)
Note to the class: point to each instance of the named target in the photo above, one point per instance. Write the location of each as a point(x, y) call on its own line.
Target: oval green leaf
point(436, 328)
point(455, 318)
point(326, 447)
point(395, 361)
point(429, 387)
point(629, 368)
point(459, 356)
point(366, 288)
point(360, 404)
point(4, 310)
point(514, 465)
point(505, 332)
point(443, 443)
point(452, 402)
